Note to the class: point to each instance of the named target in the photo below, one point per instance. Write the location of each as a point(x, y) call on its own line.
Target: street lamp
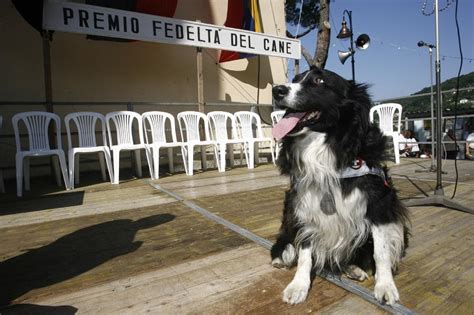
point(430, 49)
point(362, 42)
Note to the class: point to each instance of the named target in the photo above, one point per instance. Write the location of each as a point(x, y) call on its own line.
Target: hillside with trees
point(421, 106)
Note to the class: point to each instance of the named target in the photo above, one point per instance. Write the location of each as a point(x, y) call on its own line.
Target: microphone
point(422, 43)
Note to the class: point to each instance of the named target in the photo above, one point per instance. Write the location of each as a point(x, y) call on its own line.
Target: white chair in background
point(86, 123)
point(122, 123)
point(2, 185)
point(37, 124)
point(246, 121)
point(189, 127)
point(154, 123)
point(219, 131)
point(386, 114)
point(276, 116)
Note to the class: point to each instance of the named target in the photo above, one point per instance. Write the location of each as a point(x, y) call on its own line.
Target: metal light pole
point(362, 42)
point(438, 199)
point(345, 33)
point(430, 49)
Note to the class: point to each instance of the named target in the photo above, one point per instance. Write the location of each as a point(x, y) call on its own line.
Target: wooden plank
point(65, 256)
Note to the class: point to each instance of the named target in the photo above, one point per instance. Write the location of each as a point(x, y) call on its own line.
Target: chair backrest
point(37, 124)
point(123, 123)
point(218, 125)
point(155, 123)
point(86, 123)
point(245, 122)
point(277, 116)
point(386, 113)
point(189, 125)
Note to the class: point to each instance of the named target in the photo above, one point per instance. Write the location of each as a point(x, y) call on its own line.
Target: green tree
point(314, 14)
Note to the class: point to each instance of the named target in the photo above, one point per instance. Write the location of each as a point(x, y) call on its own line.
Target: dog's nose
point(280, 91)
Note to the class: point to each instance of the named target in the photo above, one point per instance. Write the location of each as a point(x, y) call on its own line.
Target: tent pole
point(200, 95)
point(48, 87)
point(48, 96)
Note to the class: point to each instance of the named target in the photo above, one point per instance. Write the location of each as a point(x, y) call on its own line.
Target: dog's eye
point(318, 81)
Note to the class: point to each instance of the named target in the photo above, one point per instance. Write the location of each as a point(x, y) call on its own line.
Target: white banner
point(101, 21)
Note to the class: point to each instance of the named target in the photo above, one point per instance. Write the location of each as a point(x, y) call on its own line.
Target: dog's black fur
point(343, 116)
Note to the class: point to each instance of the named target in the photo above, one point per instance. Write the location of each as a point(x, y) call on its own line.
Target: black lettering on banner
point(189, 32)
point(83, 17)
point(243, 41)
point(199, 35)
point(274, 46)
point(179, 31)
point(282, 46)
point(156, 26)
point(135, 24)
point(98, 18)
point(67, 14)
point(250, 42)
point(114, 24)
point(217, 39)
point(233, 39)
point(265, 44)
point(288, 48)
point(125, 24)
point(168, 30)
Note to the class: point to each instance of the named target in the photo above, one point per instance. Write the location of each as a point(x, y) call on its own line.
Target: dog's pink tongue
point(286, 124)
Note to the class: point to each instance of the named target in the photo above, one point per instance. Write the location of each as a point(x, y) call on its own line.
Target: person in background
point(410, 146)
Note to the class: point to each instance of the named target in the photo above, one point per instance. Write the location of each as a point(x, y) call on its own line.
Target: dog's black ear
point(313, 67)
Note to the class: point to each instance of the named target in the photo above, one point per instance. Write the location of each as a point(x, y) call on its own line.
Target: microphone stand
point(438, 199)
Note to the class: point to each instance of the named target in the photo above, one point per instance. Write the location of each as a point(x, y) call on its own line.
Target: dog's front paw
point(386, 292)
point(296, 292)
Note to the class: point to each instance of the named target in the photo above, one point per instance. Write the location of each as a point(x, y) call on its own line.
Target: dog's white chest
point(335, 224)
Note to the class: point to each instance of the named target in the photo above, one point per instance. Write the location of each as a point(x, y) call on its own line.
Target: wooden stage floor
point(135, 248)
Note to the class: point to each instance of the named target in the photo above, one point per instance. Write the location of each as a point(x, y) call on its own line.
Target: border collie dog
point(341, 212)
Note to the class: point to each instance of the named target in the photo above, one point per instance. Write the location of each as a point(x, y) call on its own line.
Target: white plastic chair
point(37, 124)
point(189, 122)
point(155, 123)
point(219, 126)
point(386, 113)
point(276, 116)
point(123, 122)
point(246, 120)
point(86, 123)
point(2, 185)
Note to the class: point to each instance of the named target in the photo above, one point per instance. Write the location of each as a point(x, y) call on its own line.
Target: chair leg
point(190, 159)
point(62, 165)
point(26, 172)
point(221, 155)
point(256, 149)
point(71, 168)
point(116, 161)
point(250, 156)
point(156, 162)
point(203, 158)
point(171, 160)
point(231, 154)
point(57, 173)
point(272, 150)
point(102, 166)
point(149, 160)
point(184, 154)
point(396, 149)
point(138, 163)
point(108, 161)
point(19, 175)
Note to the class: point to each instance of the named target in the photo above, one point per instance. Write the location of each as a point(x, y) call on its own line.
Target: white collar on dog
point(360, 168)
